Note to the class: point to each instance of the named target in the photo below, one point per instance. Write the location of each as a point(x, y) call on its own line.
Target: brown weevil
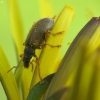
point(36, 38)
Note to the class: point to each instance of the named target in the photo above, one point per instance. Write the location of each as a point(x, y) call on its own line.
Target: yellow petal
point(46, 8)
point(50, 58)
point(7, 79)
point(78, 65)
point(16, 25)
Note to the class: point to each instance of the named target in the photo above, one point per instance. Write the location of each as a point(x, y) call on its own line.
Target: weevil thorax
point(35, 38)
point(28, 53)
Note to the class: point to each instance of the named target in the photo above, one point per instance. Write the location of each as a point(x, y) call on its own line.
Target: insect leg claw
point(54, 34)
point(12, 68)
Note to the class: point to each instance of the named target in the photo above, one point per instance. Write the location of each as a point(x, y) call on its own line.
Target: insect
point(36, 40)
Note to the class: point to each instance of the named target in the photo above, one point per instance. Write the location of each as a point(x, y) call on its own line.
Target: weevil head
point(28, 53)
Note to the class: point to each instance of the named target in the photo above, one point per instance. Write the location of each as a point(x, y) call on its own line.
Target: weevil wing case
point(37, 33)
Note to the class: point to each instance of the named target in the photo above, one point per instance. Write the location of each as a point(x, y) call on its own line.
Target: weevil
point(36, 38)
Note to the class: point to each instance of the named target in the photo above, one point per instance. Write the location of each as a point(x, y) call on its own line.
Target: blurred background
point(30, 11)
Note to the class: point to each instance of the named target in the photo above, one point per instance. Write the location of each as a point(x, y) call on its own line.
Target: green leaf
point(39, 89)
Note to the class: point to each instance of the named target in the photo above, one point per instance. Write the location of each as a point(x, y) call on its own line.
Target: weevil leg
point(52, 46)
point(12, 68)
point(32, 66)
point(23, 44)
point(54, 34)
point(15, 66)
point(38, 66)
point(47, 32)
point(21, 56)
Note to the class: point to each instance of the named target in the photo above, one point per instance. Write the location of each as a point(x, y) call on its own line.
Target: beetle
point(36, 38)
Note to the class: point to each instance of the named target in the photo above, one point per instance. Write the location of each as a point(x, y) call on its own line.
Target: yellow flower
point(75, 77)
point(50, 56)
point(79, 71)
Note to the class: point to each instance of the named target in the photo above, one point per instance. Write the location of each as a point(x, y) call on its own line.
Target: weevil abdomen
point(36, 38)
point(37, 33)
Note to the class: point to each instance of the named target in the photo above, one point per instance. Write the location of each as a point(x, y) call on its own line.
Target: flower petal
point(45, 8)
point(16, 25)
point(50, 58)
point(71, 69)
point(7, 79)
